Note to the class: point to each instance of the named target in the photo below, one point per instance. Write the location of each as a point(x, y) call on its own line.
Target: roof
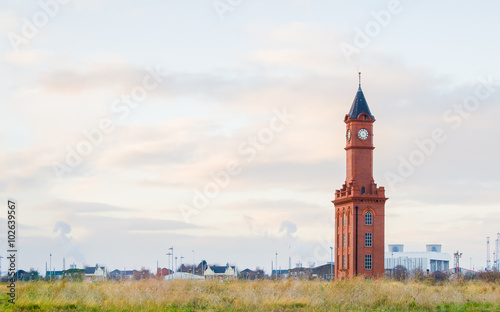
point(129, 272)
point(218, 269)
point(247, 271)
point(183, 275)
point(91, 270)
point(359, 106)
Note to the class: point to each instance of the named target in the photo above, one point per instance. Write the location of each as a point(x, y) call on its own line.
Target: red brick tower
point(360, 204)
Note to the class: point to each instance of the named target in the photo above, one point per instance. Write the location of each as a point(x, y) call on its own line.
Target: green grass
point(154, 295)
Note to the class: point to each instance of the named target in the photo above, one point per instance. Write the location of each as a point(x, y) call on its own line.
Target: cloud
point(289, 228)
point(65, 242)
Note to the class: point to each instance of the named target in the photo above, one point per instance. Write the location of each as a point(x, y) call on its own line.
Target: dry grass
point(357, 295)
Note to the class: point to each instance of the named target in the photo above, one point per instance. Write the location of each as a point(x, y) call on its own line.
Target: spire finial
point(359, 73)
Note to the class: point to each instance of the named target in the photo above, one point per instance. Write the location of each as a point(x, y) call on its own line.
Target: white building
point(183, 275)
point(227, 271)
point(432, 259)
point(94, 273)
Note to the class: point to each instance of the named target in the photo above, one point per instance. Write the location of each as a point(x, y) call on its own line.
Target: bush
point(439, 276)
point(490, 276)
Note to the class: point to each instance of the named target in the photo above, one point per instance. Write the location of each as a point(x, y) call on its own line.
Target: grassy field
point(154, 295)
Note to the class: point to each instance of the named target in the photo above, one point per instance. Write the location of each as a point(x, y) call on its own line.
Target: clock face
point(363, 134)
point(348, 135)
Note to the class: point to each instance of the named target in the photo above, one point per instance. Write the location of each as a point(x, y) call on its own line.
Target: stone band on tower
point(360, 204)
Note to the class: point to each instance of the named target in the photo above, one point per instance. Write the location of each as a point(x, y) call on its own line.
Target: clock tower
point(359, 204)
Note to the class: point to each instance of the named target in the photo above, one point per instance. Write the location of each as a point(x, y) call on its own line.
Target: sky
point(216, 127)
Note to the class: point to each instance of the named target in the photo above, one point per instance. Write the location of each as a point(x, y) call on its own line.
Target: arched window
point(368, 218)
point(363, 190)
point(343, 220)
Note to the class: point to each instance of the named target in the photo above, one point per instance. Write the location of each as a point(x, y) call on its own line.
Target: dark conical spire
point(359, 105)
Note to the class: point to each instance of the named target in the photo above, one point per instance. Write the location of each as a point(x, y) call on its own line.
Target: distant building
point(163, 272)
point(432, 259)
point(248, 274)
point(74, 274)
point(215, 271)
point(251, 275)
point(460, 271)
point(279, 273)
point(95, 273)
point(54, 274)
point(183, 275)
point(121, 275)
point(324, 272)
point(299, 272)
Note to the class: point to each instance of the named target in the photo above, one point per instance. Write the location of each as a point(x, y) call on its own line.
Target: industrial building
point(432, 259)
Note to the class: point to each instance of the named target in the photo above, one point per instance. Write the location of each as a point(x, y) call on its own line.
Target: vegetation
point(259, 295)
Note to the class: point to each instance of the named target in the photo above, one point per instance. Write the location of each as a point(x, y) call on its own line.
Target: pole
point(276, 265)
point(487, 253)
point(172, 254)
point(498, 251)
point(331, 263)
point(169, 267)
point(289, 260)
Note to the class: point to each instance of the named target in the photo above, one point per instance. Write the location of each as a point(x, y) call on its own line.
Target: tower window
point(343, 219)
point(343, 262)
point(368, 262)
point(368, 239)
point(363, 190)
point(368, 218)
point(343, 240)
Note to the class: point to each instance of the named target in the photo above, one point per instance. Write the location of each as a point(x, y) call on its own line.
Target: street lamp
point(172, 248)
point(331, 263)
point(50, 267)
point(276, 265)
point(457, 256)
point(168, 267)
point(193, 262)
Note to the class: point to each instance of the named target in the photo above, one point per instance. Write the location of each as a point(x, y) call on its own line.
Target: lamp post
point(457, 256)
point(331, 263)
point(172, 254)
point(175, 264)
point(276, 265)
point(193, 263)
point(182, 269)
point(168, 255)
point(393, 264)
